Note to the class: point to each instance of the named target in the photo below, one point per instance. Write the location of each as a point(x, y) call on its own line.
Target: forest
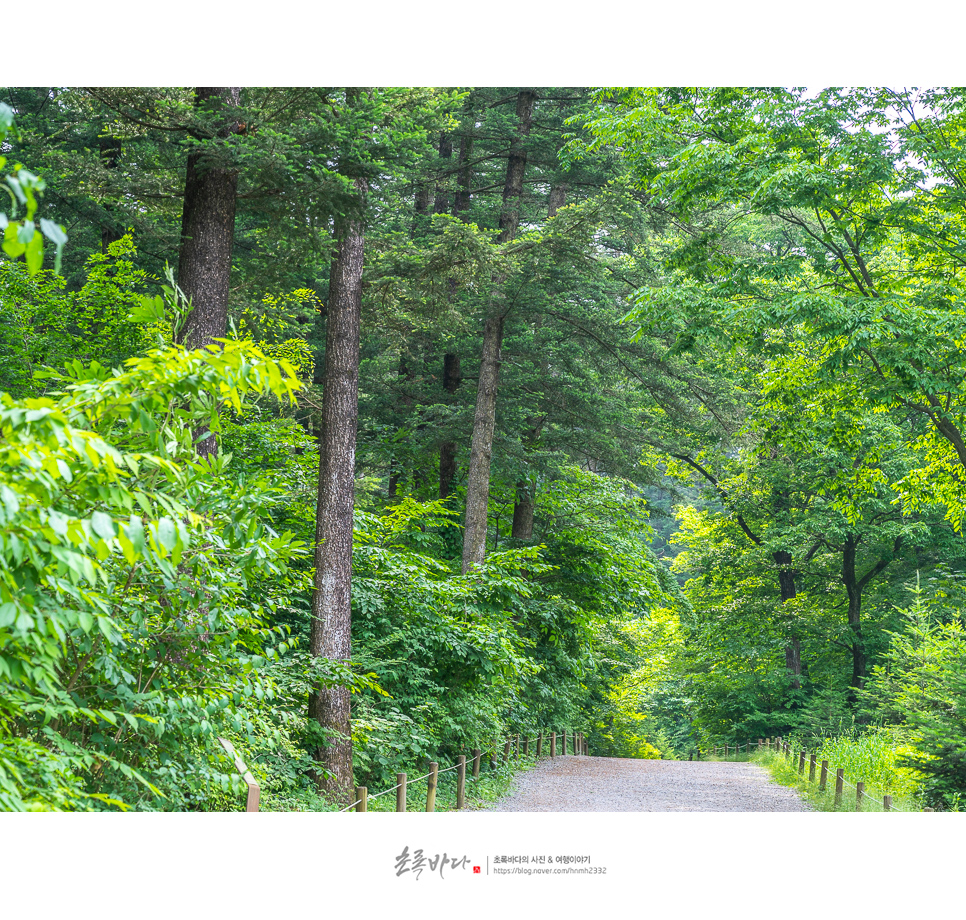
point(359, 425)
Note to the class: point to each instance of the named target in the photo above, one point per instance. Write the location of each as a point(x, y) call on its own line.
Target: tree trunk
point(207, 232)
point(484, 419)
point(464, 174)
point(452, 377)
point(404, 405)
point(441, 205)
point(854, 591)
point(481, 449)
point(525, 498)
point(515, 168)
point(786, 584)
point(558, 198)
point(451, 362)
point(523, 512)
point(109, 149)
point(331, 613)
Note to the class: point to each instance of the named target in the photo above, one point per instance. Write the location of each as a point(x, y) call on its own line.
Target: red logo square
point(476, 870)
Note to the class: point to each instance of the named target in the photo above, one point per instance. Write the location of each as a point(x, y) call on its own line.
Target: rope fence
point(776, 745)
point(577, 740)
point(780, 745)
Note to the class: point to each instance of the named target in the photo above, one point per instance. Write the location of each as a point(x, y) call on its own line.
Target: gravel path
point(619, 784)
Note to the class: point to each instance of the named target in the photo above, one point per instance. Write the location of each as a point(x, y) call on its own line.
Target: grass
point(784, 770)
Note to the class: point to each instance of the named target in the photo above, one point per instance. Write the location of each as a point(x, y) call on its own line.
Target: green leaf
point(167, 533)
point(135, 533)
point(53, 232)
point(8, 613)
point(11, 245)
point(26, 232)
point(102, 525)
point(35, 253)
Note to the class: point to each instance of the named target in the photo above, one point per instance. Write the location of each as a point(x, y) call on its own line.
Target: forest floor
point(622, 784)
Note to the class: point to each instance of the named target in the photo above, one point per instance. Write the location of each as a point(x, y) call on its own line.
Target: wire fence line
point(577, 739)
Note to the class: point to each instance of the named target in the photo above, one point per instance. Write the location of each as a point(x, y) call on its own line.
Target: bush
point(128, 636)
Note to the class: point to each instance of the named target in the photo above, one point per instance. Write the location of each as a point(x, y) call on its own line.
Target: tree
point(331, 600)
point(484, 421)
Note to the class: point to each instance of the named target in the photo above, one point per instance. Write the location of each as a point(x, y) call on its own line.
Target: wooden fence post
point(801, 762)
point(517, 745)
point(526, 747)
point(540, 744)
point(839, 783)
point(553, 744)
point(506, 750)
point(811, 768)
point(476, 762)
point(254, 791)
point(461, 782)
point(400, 792)
point(431, 786)
point(823, 779)
point(887, 803)
point(859, 792)
point(362, 798)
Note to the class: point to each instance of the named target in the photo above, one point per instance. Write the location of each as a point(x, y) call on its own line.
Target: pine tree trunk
point(523, 512)
point(441, 204)
point(109, 149)
point(451, 362)
point(484, 419)
point(331, 613)
point(481, 449)
point(464, 174)
point(404, 405)
point(207, 233)
point(452, 377)
point(523, 507)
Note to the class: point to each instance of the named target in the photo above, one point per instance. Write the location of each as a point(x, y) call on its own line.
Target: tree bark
point(484, 419)
point(481, 449)
point(451, 362)
point(515, 168)
point(464, 174)
point(109, 149)
point(523, 512)
point(525, 501)
point(330, 635)
point(207, 233)
point(452, 377)
point(441, 204)
point(404, 405)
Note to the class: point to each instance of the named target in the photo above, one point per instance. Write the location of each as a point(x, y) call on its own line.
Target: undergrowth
point(784, 770)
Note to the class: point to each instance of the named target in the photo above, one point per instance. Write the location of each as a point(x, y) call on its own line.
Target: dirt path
point(617, 784)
